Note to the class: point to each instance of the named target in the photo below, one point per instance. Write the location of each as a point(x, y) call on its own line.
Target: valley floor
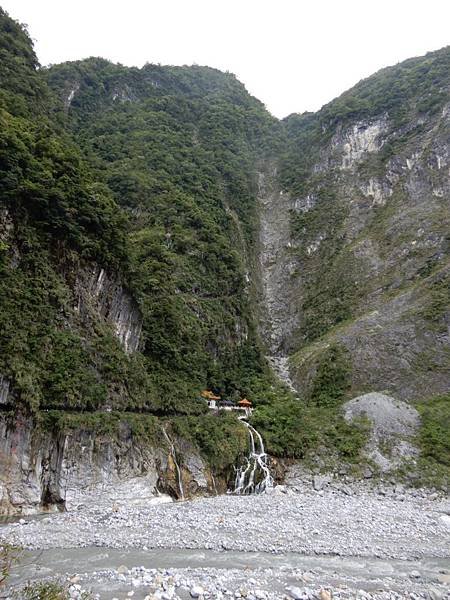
point(280, 545)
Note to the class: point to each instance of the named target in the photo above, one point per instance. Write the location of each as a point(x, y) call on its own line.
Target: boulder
point(320, 481)
point(196, 591)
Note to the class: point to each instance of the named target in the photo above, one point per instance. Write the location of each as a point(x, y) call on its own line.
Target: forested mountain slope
point(161, 233)
point(123, 283)
point(155, 216)
point(177, 146)
point(55, 220)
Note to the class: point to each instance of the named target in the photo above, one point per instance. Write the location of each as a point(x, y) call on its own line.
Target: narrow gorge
point(162, 235)
point(224, 337)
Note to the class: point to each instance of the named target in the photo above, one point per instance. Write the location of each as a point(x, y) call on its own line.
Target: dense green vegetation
point(176, 146)
point(22, 89)
point(48, 591)
point(403, 93)
point(414, 84)
point(332, 378)
point(221, 439)
point(435, 431)
point(299, 429)
point(434, 441)
point(54, 216)
point(149, 174)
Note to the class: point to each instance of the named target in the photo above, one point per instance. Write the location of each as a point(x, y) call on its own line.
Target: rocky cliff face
point(100, 296)
point(277, 315)
point(46, 470)
point(370, 252)
point(278, 318)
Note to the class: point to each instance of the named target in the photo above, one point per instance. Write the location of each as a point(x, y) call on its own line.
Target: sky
point(294, 55)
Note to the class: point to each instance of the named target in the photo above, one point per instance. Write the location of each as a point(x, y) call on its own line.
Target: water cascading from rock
point(254, 476)
point(177, 466)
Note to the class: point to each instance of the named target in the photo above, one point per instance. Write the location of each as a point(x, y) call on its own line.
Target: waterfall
point(177, 466)
point(214, 484)
point(254, 476)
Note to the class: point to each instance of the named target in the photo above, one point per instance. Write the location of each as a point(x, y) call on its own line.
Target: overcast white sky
point(294, 55)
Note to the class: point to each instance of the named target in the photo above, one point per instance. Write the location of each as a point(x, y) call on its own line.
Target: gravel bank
point(322, 523)
point(358, 530)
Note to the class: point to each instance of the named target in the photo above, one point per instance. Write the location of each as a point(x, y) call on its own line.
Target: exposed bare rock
point(276, 265)
point(4, 390)
point(99, 292)
point(69, 93)
point(277, 310)
point(44, 470)
point(354, 143)
point(393, 425)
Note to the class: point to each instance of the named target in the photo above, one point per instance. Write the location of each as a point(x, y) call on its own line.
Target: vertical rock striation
point(45, 470)
point(102, 294)
point(278, 317)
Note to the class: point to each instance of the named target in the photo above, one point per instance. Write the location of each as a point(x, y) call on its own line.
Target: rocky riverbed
point(287, 544)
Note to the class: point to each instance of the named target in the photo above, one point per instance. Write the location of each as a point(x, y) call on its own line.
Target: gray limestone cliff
point(104, 297)
point(275, 270)
point(370, 257)
point(41, 469)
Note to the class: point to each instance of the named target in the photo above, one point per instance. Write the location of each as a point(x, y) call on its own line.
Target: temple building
point(245, 405)
point(211, 399)
point(216, 403)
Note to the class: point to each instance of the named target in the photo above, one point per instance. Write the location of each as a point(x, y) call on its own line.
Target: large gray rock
point(393, 425)
point(43, 469)
point(320, 481)
point(388, 416)
point(196, 467)
point(102, 295)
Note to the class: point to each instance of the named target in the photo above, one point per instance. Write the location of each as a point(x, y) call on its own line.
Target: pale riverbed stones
point(357, 528)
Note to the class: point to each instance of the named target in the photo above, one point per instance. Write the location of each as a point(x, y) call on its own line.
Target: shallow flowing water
point(93, 562)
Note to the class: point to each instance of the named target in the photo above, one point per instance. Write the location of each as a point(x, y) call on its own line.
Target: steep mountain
point(56, 223)
point(161, 233)
point(122, 289)
point(174, 148)
point(177, 147)
point(369, 246)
